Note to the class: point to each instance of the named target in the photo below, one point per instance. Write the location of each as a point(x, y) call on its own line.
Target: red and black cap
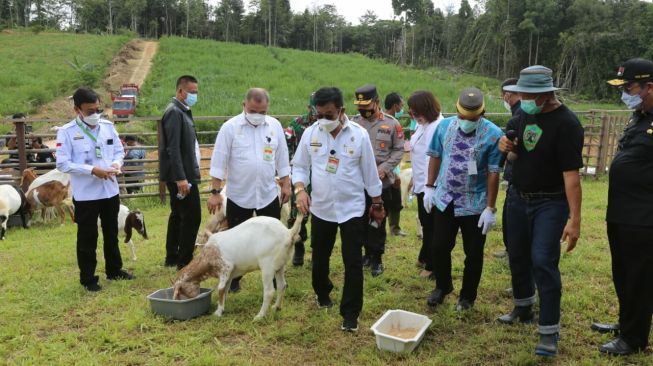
point(635, 69)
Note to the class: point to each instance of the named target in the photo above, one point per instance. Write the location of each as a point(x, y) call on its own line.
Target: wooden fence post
point(604, 143)
point(162, 185)
point(20, 145)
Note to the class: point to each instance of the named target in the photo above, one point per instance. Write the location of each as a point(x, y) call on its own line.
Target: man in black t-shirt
point(544, 203)
point(630, 213)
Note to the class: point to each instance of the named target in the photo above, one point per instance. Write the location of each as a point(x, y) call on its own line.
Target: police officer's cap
point(635, 69)
point(470, 103)
point(365, 95)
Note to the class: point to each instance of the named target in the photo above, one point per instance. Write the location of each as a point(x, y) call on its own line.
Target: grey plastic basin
point(162, 303)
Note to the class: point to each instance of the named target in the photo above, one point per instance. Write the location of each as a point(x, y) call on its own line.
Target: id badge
point(268, 153)
point(332, 165)
point(98, 152)
point(471, 167)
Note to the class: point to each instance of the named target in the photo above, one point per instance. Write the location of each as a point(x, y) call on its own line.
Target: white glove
point(429, 192)
point(487, 220)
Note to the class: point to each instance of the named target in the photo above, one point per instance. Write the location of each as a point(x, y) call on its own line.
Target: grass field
point(35, 68)
point(48, 319)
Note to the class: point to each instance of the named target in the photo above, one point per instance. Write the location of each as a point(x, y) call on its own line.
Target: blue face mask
point(191, 99)
point(467, 126)
point(413, 124)
point(400, 113)
point(631, 101)
point(530, 107)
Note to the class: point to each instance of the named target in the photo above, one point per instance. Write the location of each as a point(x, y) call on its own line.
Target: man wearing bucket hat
point(464, 157)
point(630, 213)
point(544, 201)
point(387, 139)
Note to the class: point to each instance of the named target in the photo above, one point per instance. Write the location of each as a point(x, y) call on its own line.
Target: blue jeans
point(533, 232)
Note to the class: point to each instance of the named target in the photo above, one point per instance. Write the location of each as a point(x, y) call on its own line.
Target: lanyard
point(87, 132)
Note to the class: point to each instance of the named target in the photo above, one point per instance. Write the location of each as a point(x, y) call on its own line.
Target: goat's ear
point(129, 225)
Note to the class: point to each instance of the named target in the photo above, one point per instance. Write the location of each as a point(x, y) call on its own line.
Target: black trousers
point(427, 251)
point(446, 225)
point(632, 273)
point(393, 208)
point(236, 215)
point(376, 237)
point(323, 238)
point(183, 223)
point(86, 215)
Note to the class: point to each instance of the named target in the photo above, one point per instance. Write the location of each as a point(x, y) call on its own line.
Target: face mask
point(328, 124)
point(467, 126)
point(507, 106)
point(631, 101)
point(400, 113)
point(413, 124)
point(530, 107)
point(366, 113)
point(191, 99)
point(93, 119)
point(255, 118)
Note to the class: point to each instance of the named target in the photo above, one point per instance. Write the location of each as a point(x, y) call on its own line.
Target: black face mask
point(366, 113)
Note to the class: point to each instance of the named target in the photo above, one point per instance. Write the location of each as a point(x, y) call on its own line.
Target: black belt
point(530, 196)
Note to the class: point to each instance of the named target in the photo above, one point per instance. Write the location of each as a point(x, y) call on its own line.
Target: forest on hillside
point(582, 40)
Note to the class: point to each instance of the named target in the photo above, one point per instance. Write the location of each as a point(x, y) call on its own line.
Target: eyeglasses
point(93, 111)
point(328, 116)
point(628, 87)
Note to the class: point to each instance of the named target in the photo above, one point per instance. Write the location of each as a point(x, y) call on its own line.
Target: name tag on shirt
point(98, 152)
point(332, 165)
point(471, 167)
point(268, 153)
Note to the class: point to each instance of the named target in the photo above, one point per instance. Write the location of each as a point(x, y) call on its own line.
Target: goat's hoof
point(276, 308)
point(258, 318)
point(218, 313)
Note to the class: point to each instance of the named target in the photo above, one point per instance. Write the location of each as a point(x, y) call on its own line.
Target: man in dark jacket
point(179, 156)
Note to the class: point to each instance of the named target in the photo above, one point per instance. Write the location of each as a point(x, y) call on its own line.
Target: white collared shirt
point(251, 157)
point(340, 196)
point(76, 155)
point(419, 145)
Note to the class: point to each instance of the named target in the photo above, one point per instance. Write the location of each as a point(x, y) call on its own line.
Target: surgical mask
point(530, 107)
point(328, 124)
point(255, 118)
point(467, 126)
point(191, 99)
point(413, 124)
point(366, 113)
point(507, 106)
point(93, 119)
point(400, 113)
point(631, 101)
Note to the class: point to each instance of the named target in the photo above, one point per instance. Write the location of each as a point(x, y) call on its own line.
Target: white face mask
point(93, 119)
point(328, 124)
point(255, 118)
point(507, 106)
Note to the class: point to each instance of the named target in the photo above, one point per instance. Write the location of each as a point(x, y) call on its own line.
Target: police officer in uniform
point(89, 149)
point(630, 213)
point(387, 138)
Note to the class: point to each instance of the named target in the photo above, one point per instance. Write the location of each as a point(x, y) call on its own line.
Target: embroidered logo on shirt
point(532, 134)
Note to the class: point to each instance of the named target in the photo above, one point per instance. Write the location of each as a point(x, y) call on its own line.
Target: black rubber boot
point(298, 257)
point(548, 345)
point(522, 314)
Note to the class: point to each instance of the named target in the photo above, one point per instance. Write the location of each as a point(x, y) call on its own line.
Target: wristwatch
point(299, 189)
point(216, 191)
point(493, 209)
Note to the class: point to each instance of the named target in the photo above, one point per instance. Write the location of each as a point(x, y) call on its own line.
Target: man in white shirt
point(88, 148)
point(335, 156)
point(250, 148)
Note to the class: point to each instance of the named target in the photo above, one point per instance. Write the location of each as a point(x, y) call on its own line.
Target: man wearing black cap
point(630, 213)
point(544, 201)
point(387, 139)
point(461, 191)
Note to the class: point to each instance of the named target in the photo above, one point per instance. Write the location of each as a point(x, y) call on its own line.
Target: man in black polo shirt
point(630, 213)
point(544, 203)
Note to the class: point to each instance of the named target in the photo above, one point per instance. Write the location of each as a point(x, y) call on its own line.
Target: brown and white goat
point(259, 243)
point(128, 221)
point(51, 189)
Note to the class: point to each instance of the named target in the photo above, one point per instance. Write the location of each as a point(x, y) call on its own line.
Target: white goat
point(259, 243)
point(12, 200)
point(127, 222)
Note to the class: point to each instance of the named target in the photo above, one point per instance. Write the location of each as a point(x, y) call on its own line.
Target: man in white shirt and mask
point(251, 149)
point(336, 157)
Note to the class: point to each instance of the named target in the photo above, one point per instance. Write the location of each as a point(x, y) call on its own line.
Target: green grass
point(47, 318)
point(35, 71)
point(226, 70)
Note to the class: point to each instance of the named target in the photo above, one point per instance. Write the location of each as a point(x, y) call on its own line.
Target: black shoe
point(120, 275)
point(548, 345)
point(350, 325)
point(376, 267)
point(437, 297)
point(523, 314)
point(235, 285)
point(366, 260)
point(605, 328)
point(464, 304)
point(617, 347)
point(298, 257)
point(323, 303)
point(93, 287)
point(168, 263)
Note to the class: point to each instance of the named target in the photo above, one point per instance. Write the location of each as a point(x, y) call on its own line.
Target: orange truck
point(124, 104)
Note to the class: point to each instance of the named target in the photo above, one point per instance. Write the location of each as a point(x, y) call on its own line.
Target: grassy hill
point(35, 67)
point(226, 70)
